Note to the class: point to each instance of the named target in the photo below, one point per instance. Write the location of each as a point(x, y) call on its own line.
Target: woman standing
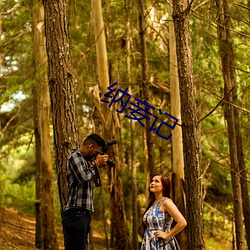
point(159, 215)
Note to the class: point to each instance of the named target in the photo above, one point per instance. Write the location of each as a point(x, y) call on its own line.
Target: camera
point(109, 162)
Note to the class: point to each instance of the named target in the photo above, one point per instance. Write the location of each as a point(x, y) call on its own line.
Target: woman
point(159, 215)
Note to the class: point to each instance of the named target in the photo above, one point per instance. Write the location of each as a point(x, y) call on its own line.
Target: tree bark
point(132, 128)
point(1, 62)
point(101, 51)
point(110, 130)
point(177, 147)
point(104, 219)
point(144, 93)
point(230, 93)
point(46, 237)
point(248, 3)
point(1, 31)
point(61, 87)
point(181, 16)
point(243, 178)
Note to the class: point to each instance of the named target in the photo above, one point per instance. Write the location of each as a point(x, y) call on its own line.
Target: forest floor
point(18, 232)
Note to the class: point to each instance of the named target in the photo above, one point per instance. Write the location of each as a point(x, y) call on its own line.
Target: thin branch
point(10, 120)
point(218, 104)
point(91, 47)
point(247, 72)
point(159, 34)
point(30, 142)
point(170, 3)
point(242, 6)
point(190, 4)
point(149, 9)
point(242, 109)
point(213, 208)
point(14, 8)
point(205, 170)
point(229, 169)
point(18, 35)
point(200, 5)
point(215, 24)
point(19, 227)
point(215, 107)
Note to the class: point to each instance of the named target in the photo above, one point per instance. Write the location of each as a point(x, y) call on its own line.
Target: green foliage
point(218, 228)
point(26, 174)
point(18, 189)
point(19, 197)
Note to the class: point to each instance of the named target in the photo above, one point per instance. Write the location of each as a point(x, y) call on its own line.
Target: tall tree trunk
point(243, 179)
point(177, 147)
point(46, 237)
point(101, 52)
point(248, 3)
point(132, 125)
point(1, 62)
point(104, 219)
point(110, 130)
point(61, 87)
point(144, 90)
point(134, 189)
point(230, 92)
point(39, 228)
point(191, 152)
point(1, 32)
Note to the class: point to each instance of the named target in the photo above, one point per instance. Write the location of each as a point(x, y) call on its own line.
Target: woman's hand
point(161, 234)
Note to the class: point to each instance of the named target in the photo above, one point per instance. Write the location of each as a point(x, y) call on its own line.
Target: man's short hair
point(94, 139)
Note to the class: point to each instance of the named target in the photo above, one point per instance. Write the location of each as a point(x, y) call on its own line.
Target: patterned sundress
point(155, 220)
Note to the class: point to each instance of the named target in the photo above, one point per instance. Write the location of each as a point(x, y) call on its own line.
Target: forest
point(168, 80)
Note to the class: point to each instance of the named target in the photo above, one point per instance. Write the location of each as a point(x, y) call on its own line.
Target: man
point(82, 165)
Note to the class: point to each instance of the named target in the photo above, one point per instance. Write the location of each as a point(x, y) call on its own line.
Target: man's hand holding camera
point(101, 160)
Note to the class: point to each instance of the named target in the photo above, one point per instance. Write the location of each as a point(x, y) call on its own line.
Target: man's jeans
point(76, 226)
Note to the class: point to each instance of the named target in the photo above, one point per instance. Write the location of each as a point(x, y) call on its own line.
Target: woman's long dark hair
point(166, 185)
point(166, 189)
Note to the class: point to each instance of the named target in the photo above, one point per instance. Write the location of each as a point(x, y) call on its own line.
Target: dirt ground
point(18, 232)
